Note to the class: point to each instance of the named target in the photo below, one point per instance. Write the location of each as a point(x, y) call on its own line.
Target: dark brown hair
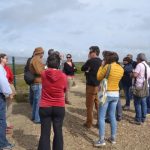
point(110, 57)
point(2, 55)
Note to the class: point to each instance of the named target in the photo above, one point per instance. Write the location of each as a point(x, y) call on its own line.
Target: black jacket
point(69, 70)
point(91, 68)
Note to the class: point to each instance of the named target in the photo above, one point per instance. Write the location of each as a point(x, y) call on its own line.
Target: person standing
point(10, 77)
point(115, 75)
point(134, 63)
point(5, 93)
point(27, 69)
point(90, 68)
point(52, 103)
point(127, 81)
point(69, 69)
point(36, 67)
point(139, 76)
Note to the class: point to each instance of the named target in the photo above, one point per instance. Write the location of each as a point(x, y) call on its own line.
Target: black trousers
point(48, 116)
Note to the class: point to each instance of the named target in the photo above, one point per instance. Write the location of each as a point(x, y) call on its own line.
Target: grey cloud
point(77, 32)
point(145, 24)
point(119, 11)
point(25, 13)
point(142, 25)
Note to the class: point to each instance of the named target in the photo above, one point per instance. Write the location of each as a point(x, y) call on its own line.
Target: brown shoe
point(86, 125)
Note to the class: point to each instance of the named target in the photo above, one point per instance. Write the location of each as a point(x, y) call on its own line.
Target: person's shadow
point(26, 141)
point(75, 126)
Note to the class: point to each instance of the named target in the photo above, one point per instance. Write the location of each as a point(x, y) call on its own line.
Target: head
point(53, 60)
point(141, 57)
point(94, 51)
point(126, 60)
point(130, 56)
point(69, 57)
point(3, 59)
point(110, 57)
point(39, 52)
point(50, 51)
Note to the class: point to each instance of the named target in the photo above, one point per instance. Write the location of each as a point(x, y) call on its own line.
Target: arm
point(74, 67)
point(4, 85)
point(136, 71)
point(38, 66)
point(86, 66)
point(101, 72)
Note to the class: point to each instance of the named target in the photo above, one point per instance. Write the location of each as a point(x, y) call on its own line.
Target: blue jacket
point(126, 79)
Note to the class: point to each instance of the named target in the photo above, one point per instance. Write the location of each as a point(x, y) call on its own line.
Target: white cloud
point(73, 26)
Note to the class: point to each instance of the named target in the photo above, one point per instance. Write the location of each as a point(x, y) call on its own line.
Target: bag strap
point(108, 71)
point(145, 71)
point(144, 75)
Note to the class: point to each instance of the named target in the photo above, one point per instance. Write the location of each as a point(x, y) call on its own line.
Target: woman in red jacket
point(52, 103)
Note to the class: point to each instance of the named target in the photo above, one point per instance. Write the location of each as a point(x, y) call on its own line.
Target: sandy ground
point(76, 137)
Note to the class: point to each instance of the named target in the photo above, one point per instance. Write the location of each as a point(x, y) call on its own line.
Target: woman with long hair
point(116, 73)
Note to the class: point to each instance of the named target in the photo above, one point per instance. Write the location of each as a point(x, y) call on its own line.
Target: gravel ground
point(76, 137)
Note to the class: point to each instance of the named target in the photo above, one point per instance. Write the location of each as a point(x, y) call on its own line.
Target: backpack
point(28, 75)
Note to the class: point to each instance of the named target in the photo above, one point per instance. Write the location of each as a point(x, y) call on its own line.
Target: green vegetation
point(78, 66)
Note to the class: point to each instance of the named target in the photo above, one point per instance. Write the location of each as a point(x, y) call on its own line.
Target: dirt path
point(76, 137)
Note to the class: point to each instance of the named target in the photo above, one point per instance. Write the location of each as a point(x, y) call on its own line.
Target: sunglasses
point(68, 57)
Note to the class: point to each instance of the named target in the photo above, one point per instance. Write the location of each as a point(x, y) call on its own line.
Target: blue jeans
point(31, 96)
point(148, 103)
point(110, 104)
point(36, 88)
point(140, 108)
point(3, 140)
point(119, 110)
point(128, 95)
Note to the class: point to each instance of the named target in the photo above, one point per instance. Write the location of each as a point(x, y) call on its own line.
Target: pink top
point(140, 69)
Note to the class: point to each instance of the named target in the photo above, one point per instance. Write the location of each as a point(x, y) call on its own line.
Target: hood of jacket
point(53, 74)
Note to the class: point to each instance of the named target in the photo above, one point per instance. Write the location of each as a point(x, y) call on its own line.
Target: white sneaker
point(99, 143)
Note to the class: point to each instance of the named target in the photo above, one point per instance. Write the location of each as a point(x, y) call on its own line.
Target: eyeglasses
point(68, 57)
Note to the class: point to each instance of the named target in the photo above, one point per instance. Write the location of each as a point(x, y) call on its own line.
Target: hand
point(103, 63)
point(11, 96)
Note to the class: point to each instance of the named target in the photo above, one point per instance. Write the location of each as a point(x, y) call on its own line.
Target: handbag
point(102, 91)
point(141, 91)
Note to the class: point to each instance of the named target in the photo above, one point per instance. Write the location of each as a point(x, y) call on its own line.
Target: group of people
point(130, 74)
point(50, 91)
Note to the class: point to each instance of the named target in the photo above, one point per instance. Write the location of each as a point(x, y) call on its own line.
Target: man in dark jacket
point(90, 68)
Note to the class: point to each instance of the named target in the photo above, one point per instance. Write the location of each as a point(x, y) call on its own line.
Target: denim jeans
point(55, 116)
point(140, 108)
point(36, 88)
point(110, 104)
point(31, 93)
point(128, 95)
point(148, 103)
point(119, 110)
point(3, 140)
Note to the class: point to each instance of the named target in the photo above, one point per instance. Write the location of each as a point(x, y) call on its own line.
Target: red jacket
point(9, 74)
point(54, 84)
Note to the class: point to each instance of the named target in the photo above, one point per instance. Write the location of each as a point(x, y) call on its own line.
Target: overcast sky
point(72, 26)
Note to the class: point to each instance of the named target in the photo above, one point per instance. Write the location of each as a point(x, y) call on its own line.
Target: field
point(76, 137)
